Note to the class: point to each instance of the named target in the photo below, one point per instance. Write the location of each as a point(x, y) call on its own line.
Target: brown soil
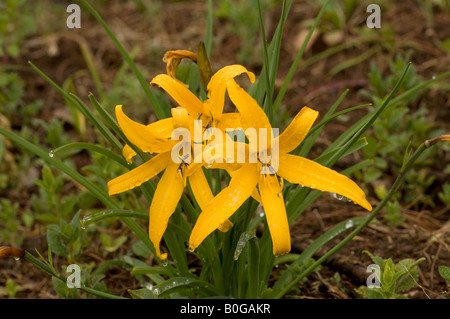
point(180, 25)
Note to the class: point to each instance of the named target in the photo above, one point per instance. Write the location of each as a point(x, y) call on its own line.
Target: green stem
point(299, 56)
point(375, 212)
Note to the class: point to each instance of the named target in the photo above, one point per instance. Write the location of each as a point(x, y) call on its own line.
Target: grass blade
point(159, 111)
point(297, 59)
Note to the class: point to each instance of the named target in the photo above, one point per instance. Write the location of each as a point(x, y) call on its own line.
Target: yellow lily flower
point(155, 138)
point(209, 111)
point(295, 169)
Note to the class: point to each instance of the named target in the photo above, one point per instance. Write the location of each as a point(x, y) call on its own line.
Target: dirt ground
point(180, 25)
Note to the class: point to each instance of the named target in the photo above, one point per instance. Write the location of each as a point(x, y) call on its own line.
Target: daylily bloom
point(156, 138)
point(173, 59)
point(293, 168)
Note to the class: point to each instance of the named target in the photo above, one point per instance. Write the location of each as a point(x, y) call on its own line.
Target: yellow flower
point(156, 138)
point(209, 111)
point(173, 59)
point(292, 168)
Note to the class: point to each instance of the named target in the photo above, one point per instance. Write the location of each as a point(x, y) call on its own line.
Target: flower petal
point(294, 134)
point(275, 211)
point(165, 200)
point(200, 188)
point(163, 128)
point(224, 204)
point(229, 121)
point(143, 136)
point(180, 93)
point(138, 175)
point(252, 115)
point(217, 86)
point(299, 170)
point(128, 153)
point(203, 194)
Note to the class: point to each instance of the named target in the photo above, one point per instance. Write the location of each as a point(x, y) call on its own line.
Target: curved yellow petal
point(217, 86)
point(200, 188)
point(165, 200)
point(252, 115)
point(162, 128)
point(231, 170)
point(299, 170)
point(143, 136)
point(128, 153)
point(294, 134)
point(138, 175)
point(275, 211)
point(180, 93)
point(224, 204)
point(203, 194)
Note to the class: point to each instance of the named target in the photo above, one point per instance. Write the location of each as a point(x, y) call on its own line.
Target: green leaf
point(253, 268)
point(142, 293)
point(112, 245)
point(61, 288)
point(409, 274)
point(204, 66)
point(140, 249)
point(242, 242)
point(370, 293)
point(56, 244)
point(444, 271)
point(297, 59)
point(185, 284)
point(372, 174)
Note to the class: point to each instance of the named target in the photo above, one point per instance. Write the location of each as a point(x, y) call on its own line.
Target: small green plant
point(393, 213)
point(444, 195)
point(67, 239)
point(9, 222)
point(392, 278)
point(399, 128)
point(10, 288)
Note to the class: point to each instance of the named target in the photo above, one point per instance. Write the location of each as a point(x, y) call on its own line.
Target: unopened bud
point(11, 252)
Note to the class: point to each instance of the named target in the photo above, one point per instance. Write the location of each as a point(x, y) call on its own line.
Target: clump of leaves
point(390, 278)
point(399, 128)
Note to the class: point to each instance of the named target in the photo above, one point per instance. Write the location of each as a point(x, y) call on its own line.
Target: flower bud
point(11, 252)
